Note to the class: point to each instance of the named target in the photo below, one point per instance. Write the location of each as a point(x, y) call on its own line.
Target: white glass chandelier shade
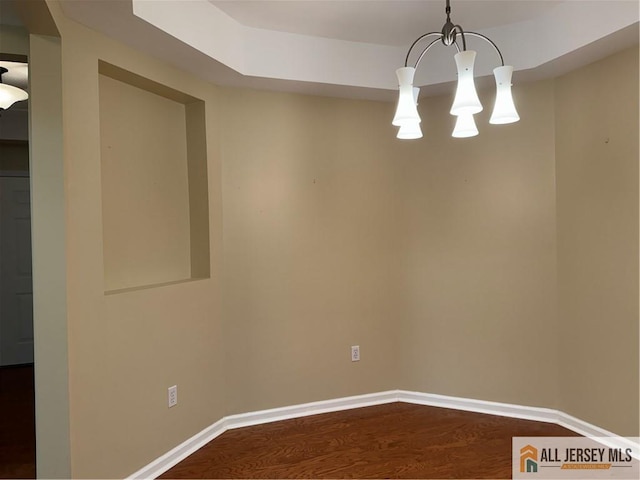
point(406, 112)
point(465, 126)
point(10, 95)
point(466, 99)
point(411, 130)
point(504, 111)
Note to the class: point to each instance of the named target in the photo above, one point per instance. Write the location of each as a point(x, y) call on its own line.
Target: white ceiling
point(352, 48)
point(395, 23)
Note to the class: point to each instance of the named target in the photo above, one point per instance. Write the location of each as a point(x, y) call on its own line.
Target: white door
point(16, 291)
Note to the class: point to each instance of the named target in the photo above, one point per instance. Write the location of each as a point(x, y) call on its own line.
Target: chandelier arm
point(495, 47)
point(406, 60)
point(462, 34)
point(424, 52)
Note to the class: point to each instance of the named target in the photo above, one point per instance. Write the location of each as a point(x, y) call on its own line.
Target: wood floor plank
point(396, 440)
point(17, 423)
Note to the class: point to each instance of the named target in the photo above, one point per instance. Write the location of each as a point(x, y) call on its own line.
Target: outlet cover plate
point(355, 353)
point(172, 399)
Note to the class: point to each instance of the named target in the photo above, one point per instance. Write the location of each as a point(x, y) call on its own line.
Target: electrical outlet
point(173, 396)
point(355, 353)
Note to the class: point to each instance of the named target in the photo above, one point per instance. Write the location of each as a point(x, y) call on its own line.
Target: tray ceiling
point(352, 48)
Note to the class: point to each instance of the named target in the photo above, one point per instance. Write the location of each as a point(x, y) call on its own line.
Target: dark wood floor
point(396, 440)
point(17, 423)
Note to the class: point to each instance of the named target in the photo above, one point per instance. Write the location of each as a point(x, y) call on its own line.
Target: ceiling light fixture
point(466, 102)
point(10, 94)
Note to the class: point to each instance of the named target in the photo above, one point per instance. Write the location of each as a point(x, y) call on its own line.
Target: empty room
point(320, 239)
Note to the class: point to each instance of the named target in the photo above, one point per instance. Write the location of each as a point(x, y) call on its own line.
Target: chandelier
point(466, 102)
point(9, 94)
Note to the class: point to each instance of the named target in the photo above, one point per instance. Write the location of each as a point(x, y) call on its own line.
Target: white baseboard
point(179, 453)
point(313, 408)
point(538, 414)
point(603, 436)
point(182, 451)
point(480, 406)
point(199, 440)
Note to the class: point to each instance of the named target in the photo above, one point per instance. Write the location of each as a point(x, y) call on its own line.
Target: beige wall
point(13, 40)
point(437, 257)
point(143, 156)
point(311, 258)
point(597, 191)
point(126, 349)
point(480, 257)
point(49, 251)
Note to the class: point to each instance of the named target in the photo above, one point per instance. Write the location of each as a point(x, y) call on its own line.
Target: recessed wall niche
point(153, 155)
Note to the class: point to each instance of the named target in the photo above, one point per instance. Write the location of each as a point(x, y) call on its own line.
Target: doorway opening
point(17, 393)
